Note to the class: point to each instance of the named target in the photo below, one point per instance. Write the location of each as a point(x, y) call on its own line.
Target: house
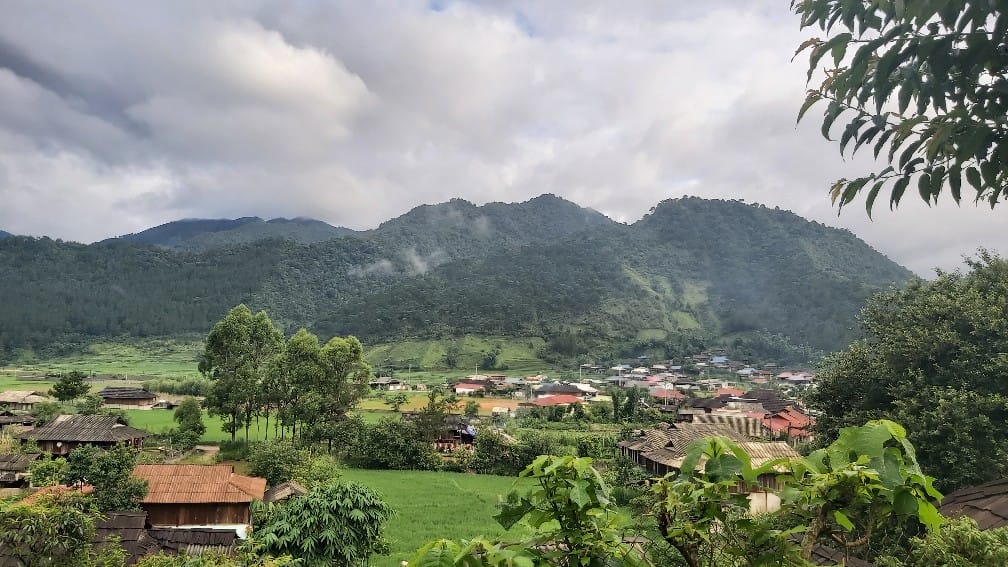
point(387, 383)
point(130, 530)
point(556, 400)
point(164, 404)
point(667, 396)
point(730, 392)
point(9, 419)
point(468, 388)
point(67, 432)
point(283, 491)
point(22, 400)
point(663, 450)
point(557, 388)
point(198, 495)
point(126, 397)
point(789, 423)
point(14, 469)
point(987, 504)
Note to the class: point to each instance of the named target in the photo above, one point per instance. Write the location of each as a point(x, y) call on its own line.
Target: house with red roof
point(667, 396)
point(789, 423)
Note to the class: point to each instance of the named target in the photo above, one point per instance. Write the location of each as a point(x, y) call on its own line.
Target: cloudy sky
point(115, 117)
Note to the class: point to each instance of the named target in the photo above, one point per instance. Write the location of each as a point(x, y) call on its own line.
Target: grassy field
point(134, 359)
point(176, 358)
point(434, 505)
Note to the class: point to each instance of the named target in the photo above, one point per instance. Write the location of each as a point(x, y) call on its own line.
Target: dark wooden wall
point(198, 514)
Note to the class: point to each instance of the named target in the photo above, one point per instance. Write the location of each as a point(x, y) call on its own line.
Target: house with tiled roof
point(987, 504)
point(127, 397)
point(663, 450)
point(198, 495)
point(67, 432)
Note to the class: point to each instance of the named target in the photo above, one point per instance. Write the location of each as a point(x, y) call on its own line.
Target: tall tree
point(344, 382)
point(239, 349)
point(933, 359)
point(926, 83)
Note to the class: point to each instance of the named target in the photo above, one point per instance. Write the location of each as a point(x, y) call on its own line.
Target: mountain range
point(692, 272)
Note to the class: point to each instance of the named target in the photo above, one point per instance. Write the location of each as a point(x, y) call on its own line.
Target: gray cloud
point(120, 116)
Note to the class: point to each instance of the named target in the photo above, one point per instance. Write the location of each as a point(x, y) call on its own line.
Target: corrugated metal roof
point(84, 429)
point(198, 484)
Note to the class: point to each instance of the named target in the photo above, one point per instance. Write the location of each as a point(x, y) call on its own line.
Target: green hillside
point(693, 272)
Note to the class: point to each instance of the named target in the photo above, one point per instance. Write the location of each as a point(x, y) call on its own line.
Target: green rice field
point(434, 505)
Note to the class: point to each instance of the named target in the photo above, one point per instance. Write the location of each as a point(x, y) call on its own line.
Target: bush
point(276, 461)
point(47, 472)
point(317, 471)
point(394, 444)
point(333, 525)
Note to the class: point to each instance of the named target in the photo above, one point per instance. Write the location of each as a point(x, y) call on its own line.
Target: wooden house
point(283, 491)
point(20, 400)
point(127, 397)
point(14, 469)
point(67, 432)
point(198, 495)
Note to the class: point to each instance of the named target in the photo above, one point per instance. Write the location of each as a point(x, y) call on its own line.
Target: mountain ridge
point(691, 270)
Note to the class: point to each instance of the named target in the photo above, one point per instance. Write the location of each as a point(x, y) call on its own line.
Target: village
point(191, 508)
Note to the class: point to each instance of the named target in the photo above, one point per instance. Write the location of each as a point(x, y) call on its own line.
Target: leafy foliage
point(933, 359)
point(110, 472)
point(48, 472)
point(276, 461)
point(189, 416)
point(395, 444)
point(959, 543)
point(338, 524)
point(926, 83)
point(54, 532)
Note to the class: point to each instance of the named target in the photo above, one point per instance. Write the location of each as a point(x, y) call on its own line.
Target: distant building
point(126, 397)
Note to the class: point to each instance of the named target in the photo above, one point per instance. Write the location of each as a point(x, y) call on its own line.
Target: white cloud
point(120, 116)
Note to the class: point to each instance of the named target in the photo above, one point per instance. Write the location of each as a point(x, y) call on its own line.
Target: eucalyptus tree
point(239, 351)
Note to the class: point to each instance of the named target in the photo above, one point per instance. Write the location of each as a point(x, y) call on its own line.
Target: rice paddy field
point(434, 505)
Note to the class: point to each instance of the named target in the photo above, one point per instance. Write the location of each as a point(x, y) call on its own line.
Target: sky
point(119, 116)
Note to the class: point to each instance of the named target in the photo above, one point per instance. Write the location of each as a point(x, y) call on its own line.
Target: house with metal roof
point(198, 495)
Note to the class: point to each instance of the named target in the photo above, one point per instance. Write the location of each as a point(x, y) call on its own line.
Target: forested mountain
point(205, 234)
point(692, 270)
point(4, 234)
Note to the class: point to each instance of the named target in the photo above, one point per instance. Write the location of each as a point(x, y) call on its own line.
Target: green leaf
point(843, 520)
point(973, 177)
point(955, 181)
point(811, 98)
